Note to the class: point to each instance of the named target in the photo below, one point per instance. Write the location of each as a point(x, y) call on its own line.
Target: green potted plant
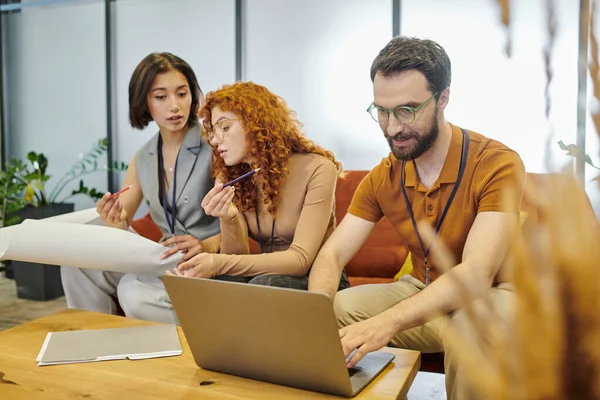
point(11, 188)
point(25, 196)
point(11, 199)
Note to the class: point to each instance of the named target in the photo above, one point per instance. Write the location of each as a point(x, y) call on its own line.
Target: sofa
point(381, 257)
point(378, 261)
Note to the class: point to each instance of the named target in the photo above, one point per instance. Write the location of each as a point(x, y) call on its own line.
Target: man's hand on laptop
point(366, 336)
point(200, 266)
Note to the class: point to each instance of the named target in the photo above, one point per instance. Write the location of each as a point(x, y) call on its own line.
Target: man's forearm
point(325, 275)
point(448, 293)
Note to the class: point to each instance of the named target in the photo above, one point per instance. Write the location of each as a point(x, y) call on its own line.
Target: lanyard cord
point(260, 241)
point(161, 171)
point(464, 153)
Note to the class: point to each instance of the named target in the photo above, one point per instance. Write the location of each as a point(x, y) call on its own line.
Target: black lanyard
point(464, 153)
point(163, 185)
point(260, 242)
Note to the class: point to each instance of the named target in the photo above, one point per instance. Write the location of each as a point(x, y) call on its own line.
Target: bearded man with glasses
point(441, 183)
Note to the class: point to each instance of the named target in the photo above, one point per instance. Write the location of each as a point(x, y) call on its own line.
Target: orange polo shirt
point(491, 169)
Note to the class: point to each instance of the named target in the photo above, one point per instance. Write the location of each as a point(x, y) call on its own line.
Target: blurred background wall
point(66, 65)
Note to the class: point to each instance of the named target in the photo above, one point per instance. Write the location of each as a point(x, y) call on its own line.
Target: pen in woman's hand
point(247, 174)
point(126, 188)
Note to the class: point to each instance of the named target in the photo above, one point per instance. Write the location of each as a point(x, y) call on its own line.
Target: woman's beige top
point(305, 219)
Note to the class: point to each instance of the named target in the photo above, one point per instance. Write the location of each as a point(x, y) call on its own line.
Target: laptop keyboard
point(354, 370)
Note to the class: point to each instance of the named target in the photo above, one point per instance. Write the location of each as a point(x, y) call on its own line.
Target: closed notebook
point(110, 344)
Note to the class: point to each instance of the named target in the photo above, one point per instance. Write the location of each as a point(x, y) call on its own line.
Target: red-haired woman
point(288, 206)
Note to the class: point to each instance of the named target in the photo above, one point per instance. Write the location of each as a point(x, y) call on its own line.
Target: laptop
point(283, 336)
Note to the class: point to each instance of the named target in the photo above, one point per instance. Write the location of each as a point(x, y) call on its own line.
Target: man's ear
point(443, 99)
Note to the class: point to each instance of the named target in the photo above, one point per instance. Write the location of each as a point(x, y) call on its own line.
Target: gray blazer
point(194, 180)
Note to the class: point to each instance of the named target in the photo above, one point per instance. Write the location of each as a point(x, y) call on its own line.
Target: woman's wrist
point(214, 265)
point(121, 225)
point(230, 218)
point(212, 244)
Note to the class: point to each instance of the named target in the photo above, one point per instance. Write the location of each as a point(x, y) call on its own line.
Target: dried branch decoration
point(550, 350)
point(504, 6)
point(547, 54)
point(594, 67)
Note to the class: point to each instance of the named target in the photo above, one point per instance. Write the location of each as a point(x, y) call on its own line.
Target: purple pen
point(247, 174)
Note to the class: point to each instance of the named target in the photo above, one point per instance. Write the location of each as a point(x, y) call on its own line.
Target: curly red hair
point(273, 135)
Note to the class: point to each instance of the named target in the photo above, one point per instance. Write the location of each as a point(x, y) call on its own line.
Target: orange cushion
point(361, 280)
point(384, 252)
point(146, 227)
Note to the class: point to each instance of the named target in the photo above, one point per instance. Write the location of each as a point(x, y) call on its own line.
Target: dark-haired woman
point(171, 172)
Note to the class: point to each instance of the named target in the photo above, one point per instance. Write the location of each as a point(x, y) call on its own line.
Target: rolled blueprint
point(68, 240)
point(87, 216)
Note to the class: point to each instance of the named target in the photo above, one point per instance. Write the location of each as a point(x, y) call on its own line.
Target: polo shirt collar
point(452, 164)
point(449, 171)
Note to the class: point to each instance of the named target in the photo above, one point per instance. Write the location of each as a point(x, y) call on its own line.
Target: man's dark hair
point(141, 82)
point(426, 56)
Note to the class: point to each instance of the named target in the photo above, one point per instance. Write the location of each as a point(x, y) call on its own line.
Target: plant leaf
point(12, 220)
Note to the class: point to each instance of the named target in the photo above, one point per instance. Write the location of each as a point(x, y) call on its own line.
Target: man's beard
point(424, 142)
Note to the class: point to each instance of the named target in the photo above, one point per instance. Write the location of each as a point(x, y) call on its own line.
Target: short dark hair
point(141, 83)
point(403, 53)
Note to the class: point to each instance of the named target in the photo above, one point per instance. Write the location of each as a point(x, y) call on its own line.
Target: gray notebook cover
point(110, 344)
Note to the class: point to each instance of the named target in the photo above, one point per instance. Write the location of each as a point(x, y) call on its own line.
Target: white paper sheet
point(80, 240)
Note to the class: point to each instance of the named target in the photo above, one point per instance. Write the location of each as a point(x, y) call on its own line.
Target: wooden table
point(159, 378)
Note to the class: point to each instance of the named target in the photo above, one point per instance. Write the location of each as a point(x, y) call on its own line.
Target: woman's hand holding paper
point(200, 266)
point(187, 244)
